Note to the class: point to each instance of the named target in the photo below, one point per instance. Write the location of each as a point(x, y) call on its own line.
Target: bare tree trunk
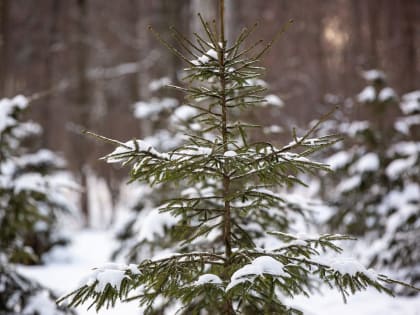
point(321, 67)
point(82, 101)
point(411, 15)
point(4, 14)
point(373, 18)
point(48, 121)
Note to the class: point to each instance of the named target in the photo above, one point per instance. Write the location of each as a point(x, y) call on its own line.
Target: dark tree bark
point(82, 101)
point(411, 18)
point(373, 9)
point(4, 30)
point(47, 114)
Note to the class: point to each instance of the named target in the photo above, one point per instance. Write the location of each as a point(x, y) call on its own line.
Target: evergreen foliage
point(375, 187)
point(31, 184)
point(32, 187)
point(359, 160)
point(20, 295)
point(145, 231)
point(230, 202)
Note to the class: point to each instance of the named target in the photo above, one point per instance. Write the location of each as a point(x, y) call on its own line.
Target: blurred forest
point(86, 62)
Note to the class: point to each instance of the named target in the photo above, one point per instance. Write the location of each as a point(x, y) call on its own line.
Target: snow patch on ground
point(91, 248)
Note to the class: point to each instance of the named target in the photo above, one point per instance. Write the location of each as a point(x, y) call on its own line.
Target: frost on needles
point(219, 263)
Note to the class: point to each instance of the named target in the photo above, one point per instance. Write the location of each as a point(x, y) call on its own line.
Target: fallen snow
point(367, 163)
point(155, 85)
point(132, 146)
point(405, 148)
point(154, 225)
point(399, 166)
point(255, 82)
point(339, 160)
point(230, 154)
point(404, 124)
point(352, 267)
point(92, 248)
point(410, 194)
point(208, 278)
point(109, 274)
point(367, 95)
point(410, 103)
point(202, 60)
point(274, 100)
point(349, 183)
point(7, 107)
point(259, 266)
point(386, 94)
point(152, 108)
point(191, 151)
point(354, 127)
point(30, 182)
point(41, 303)
point(182, 114)
point(372, 75)
point(273, 129)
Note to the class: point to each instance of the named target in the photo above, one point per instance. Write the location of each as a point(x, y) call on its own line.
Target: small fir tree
point(145, 230)
point(221, 264)
point(31, 193)
point(397, 246)
point(358, 161)
point(375, 188)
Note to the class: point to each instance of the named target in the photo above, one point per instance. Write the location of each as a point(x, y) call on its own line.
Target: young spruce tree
point(219, 267)
point(146, 231)
point(31, 195)
point(375, 189)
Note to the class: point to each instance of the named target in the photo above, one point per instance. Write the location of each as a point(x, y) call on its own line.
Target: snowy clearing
point(92, 248)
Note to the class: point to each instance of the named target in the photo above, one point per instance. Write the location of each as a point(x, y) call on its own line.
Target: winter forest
point(209, 157)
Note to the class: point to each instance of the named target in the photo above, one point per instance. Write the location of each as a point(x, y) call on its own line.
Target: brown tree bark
point(82, 102)
point(4, 30)
point(47, 103)
point(411, 18)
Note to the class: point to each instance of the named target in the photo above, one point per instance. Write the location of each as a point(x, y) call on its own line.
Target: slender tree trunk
point(373, 18)
point(411, 9)
point(4, 25)
point(321, 67)
point(82, 101)
point(48, 121)
point(227, 235)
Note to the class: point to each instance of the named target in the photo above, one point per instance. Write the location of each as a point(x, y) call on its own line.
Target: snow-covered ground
point(90, 248)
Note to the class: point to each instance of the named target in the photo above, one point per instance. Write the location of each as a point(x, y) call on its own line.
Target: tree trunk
point(82, 101)
point(48, 121)
point(411, 9)
point(4, 25)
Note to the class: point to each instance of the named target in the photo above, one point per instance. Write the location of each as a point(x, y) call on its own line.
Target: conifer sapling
point(222, 264)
